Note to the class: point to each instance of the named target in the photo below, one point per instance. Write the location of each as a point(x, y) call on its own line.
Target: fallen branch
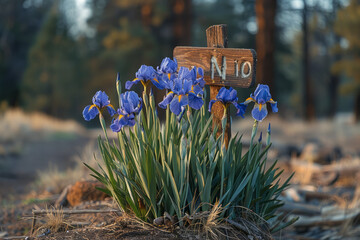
point(82, 211)
point(249, 229)
point(334, 220)
point(310, 195)
point(14, 237)
point(300, 209)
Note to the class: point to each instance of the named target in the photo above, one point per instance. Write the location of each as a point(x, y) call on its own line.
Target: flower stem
point(268, 138)
point(223, 125)
point(103, 125)
point(253, 134)
point(146, 106)
point(118, 88)
point(268, 135)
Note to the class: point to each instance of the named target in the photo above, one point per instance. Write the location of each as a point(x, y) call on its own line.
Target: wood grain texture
point(201, 57)
point(217, 37)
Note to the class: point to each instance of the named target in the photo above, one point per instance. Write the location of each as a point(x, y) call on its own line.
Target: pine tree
point(51, 82)
point(347, 25)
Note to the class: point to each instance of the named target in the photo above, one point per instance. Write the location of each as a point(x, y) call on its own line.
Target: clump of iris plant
point(161, 168)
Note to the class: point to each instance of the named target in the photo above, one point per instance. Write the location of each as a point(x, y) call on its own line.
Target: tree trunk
point(265, 42)
point(182, 20)
point(308, 91)
point(334, 78)
point(357, 107)
point(333, 95)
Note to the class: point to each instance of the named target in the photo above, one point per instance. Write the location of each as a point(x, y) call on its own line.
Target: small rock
point(85, 191)
point(3, 234)
point(46, 232)
point(158, 221)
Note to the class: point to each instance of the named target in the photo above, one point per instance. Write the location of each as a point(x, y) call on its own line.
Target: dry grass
point(17, 125)
point(54, 221)
point(55, 181)
point(211, 225)
point(207, 224)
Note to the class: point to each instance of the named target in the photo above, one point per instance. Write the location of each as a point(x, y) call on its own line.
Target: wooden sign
point(223, 67)
point(231, 67)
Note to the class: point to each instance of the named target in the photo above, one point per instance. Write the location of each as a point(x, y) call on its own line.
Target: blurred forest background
point(54, 55)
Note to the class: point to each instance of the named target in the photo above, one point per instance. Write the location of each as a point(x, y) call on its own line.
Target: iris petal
point(168, 65)
point(274, 107)
point(195, 102)
point(90, 112)
point(158, 82)
point(262, 93)
point(175, 106)
point(100, 99)
point(127, 120)
point(177, 103)
point(193, 73)
point(130, 102)
point(241, 108)
point(259, 114)
point(222, 94)
point(166, 100)
point(249, 100)
point(198, 89)
point(231, 95)
point(187, 86)
point(129, 84)
point(145, 73)
point(211, 103)
point(139, 107)
point(111, 110)
point(201, 72)
point(125, 104)
point(184, 100)
point(184, 73)
point(116, 125)
point(177, 87)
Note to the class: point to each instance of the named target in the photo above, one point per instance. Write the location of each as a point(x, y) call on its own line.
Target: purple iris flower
point(181, 95)
point(131, 105)
point(100, 101)
point(168, 67)
point(227, 97)
point(167, 71)
point(198, 84)
point(261, 96)
point(145, 74)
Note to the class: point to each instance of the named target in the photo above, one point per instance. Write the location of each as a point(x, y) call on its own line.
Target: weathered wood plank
point(216, 36)
point(240, 64)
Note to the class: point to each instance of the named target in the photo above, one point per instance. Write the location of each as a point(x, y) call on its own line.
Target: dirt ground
point(18, 172)
point(20, 168)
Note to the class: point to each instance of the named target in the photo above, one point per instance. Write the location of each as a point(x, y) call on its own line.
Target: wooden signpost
point(229, 67)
